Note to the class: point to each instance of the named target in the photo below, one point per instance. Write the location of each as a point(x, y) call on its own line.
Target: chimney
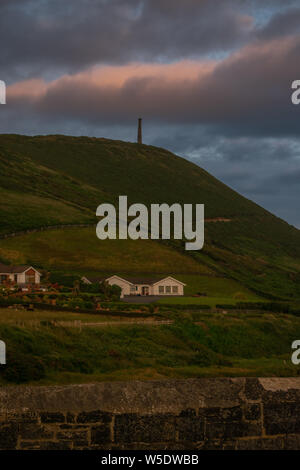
point(139, 136)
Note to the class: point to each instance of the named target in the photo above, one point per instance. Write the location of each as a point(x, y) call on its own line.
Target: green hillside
point(55, 180)
point(79, 249)
point(41, 351)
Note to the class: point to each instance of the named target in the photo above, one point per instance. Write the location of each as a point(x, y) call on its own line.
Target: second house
point(141, 286)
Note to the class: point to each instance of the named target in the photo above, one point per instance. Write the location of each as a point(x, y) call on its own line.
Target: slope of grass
point(19, 316)
point(33, 196)
point(213, 286)
point(49, 180)
point(144, 173)
point(39, 211)
point(79, 250)
point(211, 301)
point(235, 345)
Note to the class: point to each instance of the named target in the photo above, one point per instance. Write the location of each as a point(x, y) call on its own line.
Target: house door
point(145, 290)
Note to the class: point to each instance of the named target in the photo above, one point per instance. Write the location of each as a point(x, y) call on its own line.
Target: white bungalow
point(132, 286)
point(20, 275)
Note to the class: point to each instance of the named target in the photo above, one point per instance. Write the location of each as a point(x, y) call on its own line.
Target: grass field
point(50, 180)
point(245, 344)
point(79, 250)
point(215, 288)
point(211, 301)
point(53, 180)
point(17, 316)
point(39, 211)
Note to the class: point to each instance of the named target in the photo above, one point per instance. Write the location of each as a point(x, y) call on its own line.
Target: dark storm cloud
point(48, 36)
point(289, 178)
point(252, 149)
point(248, 93)
point(51, 37)
point(267, 170)
point(284, 23)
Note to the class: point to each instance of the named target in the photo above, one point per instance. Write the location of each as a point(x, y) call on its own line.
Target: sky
point(210, 78)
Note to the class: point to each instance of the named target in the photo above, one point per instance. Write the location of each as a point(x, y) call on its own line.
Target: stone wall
point(180, 414)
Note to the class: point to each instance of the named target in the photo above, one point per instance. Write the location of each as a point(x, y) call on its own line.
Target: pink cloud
point(250, 81)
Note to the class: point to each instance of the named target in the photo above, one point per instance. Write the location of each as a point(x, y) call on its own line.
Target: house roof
point(5, 269)
point(169, 277)
point(118, 277)
point(146, 281)
point(141, 280)
point(93, 280)
point(133, 280)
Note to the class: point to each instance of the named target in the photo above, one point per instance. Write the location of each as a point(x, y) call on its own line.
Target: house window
point(168, 289)
point(132, 289)
point(175, 289)
point(161, 289)
point(15, 277)
point(3, 278)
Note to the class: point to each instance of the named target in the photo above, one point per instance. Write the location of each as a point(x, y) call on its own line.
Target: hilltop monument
point(139, 135)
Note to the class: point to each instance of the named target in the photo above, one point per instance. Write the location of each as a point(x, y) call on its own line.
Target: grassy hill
point(53, 180)
point(42, 352)
point(79, 251)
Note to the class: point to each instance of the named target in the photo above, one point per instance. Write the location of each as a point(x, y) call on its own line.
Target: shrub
point(239, 296)
point(21, 369)
point(64, 279)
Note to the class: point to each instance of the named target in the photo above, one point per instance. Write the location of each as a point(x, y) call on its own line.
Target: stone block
point(94, 417)
point(252, 412)
point(147, 428)
point(261, 444)
point(34, 431)
point(190, 427)
point(100, 434)
point(52, 417)
point(282, 418)
point(8, 436)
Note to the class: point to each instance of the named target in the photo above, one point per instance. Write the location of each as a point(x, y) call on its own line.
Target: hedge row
point(184, 306)
point(41, 306)
point(266, 306)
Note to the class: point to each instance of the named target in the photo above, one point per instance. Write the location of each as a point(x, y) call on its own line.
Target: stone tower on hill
point(139, 135)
